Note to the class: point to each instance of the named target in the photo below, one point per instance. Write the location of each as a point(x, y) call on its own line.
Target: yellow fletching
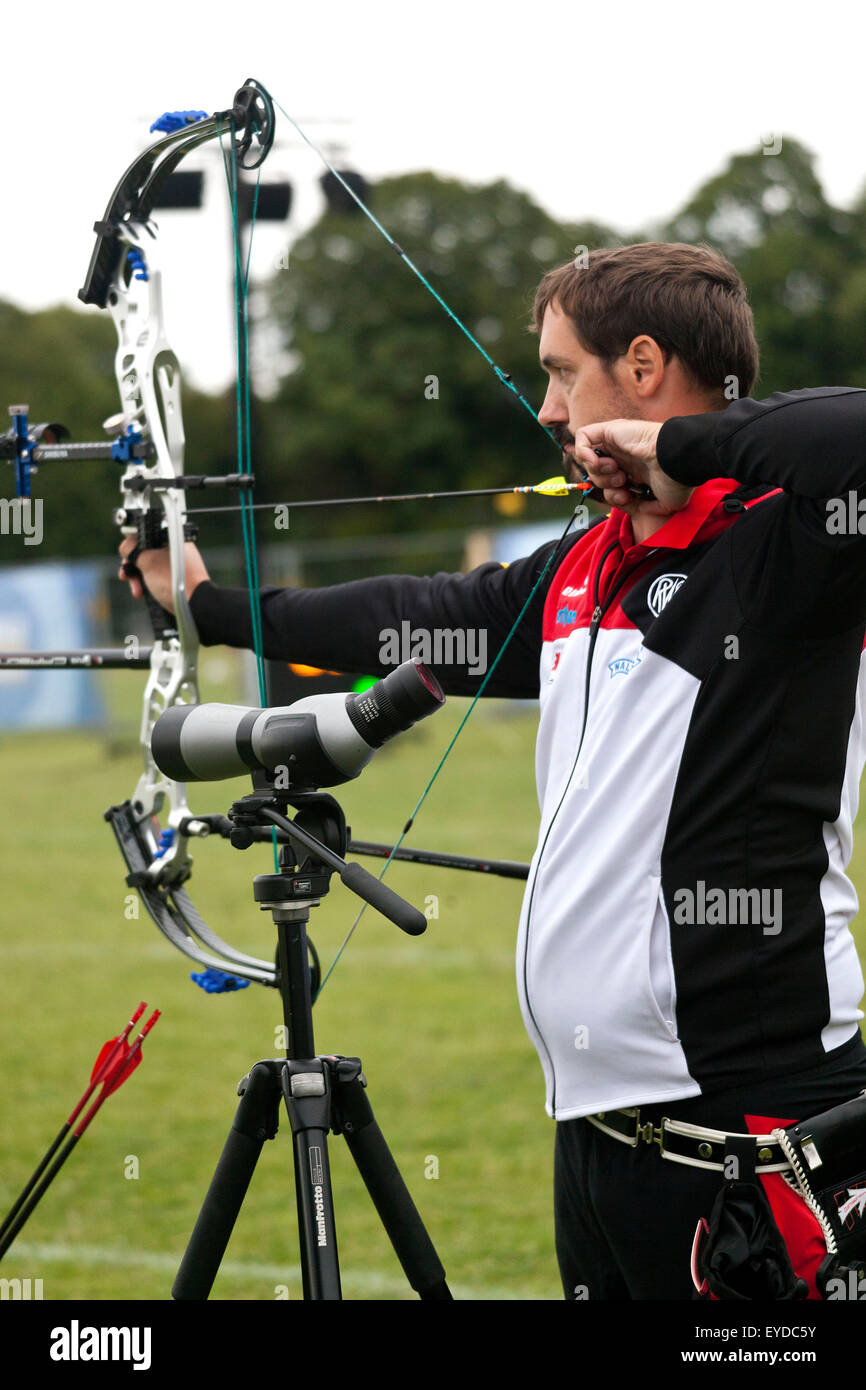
point(553, 487)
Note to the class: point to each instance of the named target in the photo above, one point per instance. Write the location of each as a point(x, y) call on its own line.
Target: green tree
point(801, 258)
point(385, 393)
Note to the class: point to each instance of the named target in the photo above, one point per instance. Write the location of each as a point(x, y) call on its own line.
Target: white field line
point(363, 1285)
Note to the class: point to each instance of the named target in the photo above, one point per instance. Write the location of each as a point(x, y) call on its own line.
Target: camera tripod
point(322, 1094)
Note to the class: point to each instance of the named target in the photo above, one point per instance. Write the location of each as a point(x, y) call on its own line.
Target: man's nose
point(554, 408)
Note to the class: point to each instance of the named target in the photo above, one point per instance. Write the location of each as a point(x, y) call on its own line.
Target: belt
point(685, 1143)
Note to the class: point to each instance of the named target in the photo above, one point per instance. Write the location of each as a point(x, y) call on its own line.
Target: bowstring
point(503, 376)
point(241, 277)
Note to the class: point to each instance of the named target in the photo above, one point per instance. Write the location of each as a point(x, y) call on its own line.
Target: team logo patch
point(623, 665)
point(662, 590)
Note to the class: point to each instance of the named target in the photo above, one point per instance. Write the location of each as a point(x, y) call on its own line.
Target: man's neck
point(644, 526)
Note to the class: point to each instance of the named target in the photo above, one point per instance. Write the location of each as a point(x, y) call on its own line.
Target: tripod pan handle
point(380, 896)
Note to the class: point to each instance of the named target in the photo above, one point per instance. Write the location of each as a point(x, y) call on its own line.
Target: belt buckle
point(649, 1133)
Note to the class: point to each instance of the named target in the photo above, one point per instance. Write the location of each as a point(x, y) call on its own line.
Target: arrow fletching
point(555, 487)
point(121, 1068)
point(118, 1070)
point(112, 1049)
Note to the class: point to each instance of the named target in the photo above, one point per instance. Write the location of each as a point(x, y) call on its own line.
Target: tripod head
point(320, 829)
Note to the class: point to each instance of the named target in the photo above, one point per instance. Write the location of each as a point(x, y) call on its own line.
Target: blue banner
point(48, 608)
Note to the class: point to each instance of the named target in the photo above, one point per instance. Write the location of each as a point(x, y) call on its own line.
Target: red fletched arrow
point(115, 1064)
point(117, 1067)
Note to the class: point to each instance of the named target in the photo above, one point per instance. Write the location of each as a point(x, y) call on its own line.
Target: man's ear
point(645, 363)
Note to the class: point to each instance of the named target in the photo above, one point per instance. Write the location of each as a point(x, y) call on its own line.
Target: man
point(684, 951)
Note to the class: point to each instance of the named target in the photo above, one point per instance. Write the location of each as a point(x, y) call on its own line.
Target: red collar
point(681, 527)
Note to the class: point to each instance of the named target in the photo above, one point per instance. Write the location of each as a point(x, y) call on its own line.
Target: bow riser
point(149, 382)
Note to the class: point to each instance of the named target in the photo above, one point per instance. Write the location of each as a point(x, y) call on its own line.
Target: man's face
point(580, 390)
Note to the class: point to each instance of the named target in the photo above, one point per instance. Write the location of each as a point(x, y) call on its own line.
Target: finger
point(608, 479)
point(134, 586)
point(587, 455)
point(591, 436)
point(612, 473)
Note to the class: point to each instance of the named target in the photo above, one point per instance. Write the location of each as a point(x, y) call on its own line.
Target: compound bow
point(125, 277)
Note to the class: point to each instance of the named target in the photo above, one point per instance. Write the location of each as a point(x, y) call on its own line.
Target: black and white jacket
point(685, 926)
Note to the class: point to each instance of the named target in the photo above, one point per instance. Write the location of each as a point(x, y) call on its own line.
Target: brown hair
point(690, 299)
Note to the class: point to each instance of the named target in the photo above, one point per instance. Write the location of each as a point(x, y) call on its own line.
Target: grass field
point(454, 1081)
point(452, 1076)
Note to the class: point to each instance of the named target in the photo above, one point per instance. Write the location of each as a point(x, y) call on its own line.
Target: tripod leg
point(375, 1162)
point(308, 1101)
point(255, 1121)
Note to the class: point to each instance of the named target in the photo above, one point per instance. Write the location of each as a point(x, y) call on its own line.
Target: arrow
point(116, 1062)
point(551, 487)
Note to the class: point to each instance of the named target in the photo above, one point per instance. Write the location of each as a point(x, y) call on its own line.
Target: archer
point(668, 754)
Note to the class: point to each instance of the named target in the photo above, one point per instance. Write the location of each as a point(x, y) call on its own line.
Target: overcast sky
point(616, 112)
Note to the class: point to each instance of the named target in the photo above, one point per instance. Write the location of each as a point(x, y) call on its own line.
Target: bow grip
point(151, 536)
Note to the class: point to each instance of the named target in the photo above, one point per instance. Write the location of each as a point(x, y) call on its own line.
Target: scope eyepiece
point(394, 704)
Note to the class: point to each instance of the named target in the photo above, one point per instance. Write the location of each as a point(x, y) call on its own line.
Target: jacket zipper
point(598, 613)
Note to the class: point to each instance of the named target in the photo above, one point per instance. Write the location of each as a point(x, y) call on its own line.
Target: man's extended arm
point(464, 619)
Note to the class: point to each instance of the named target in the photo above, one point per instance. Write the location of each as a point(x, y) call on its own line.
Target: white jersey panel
point(593, 957)
point(838, 894)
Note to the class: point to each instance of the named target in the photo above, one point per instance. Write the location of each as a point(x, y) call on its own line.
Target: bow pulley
point(253, 117)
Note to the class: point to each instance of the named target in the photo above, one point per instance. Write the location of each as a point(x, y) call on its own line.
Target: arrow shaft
point(9, 1219)
point(97, 1077)
point(390, 497)
point(86, 659)
point(29, 1207)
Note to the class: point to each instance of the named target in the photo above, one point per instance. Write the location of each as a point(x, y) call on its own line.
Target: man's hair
point(690, 299)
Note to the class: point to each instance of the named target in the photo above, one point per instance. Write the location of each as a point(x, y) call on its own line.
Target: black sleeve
point(803, 564)
point(811, 443)
point(455, 622)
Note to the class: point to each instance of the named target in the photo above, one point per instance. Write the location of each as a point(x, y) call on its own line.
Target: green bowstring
point(242, 402)
point(243, 414)
point(503, 376)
